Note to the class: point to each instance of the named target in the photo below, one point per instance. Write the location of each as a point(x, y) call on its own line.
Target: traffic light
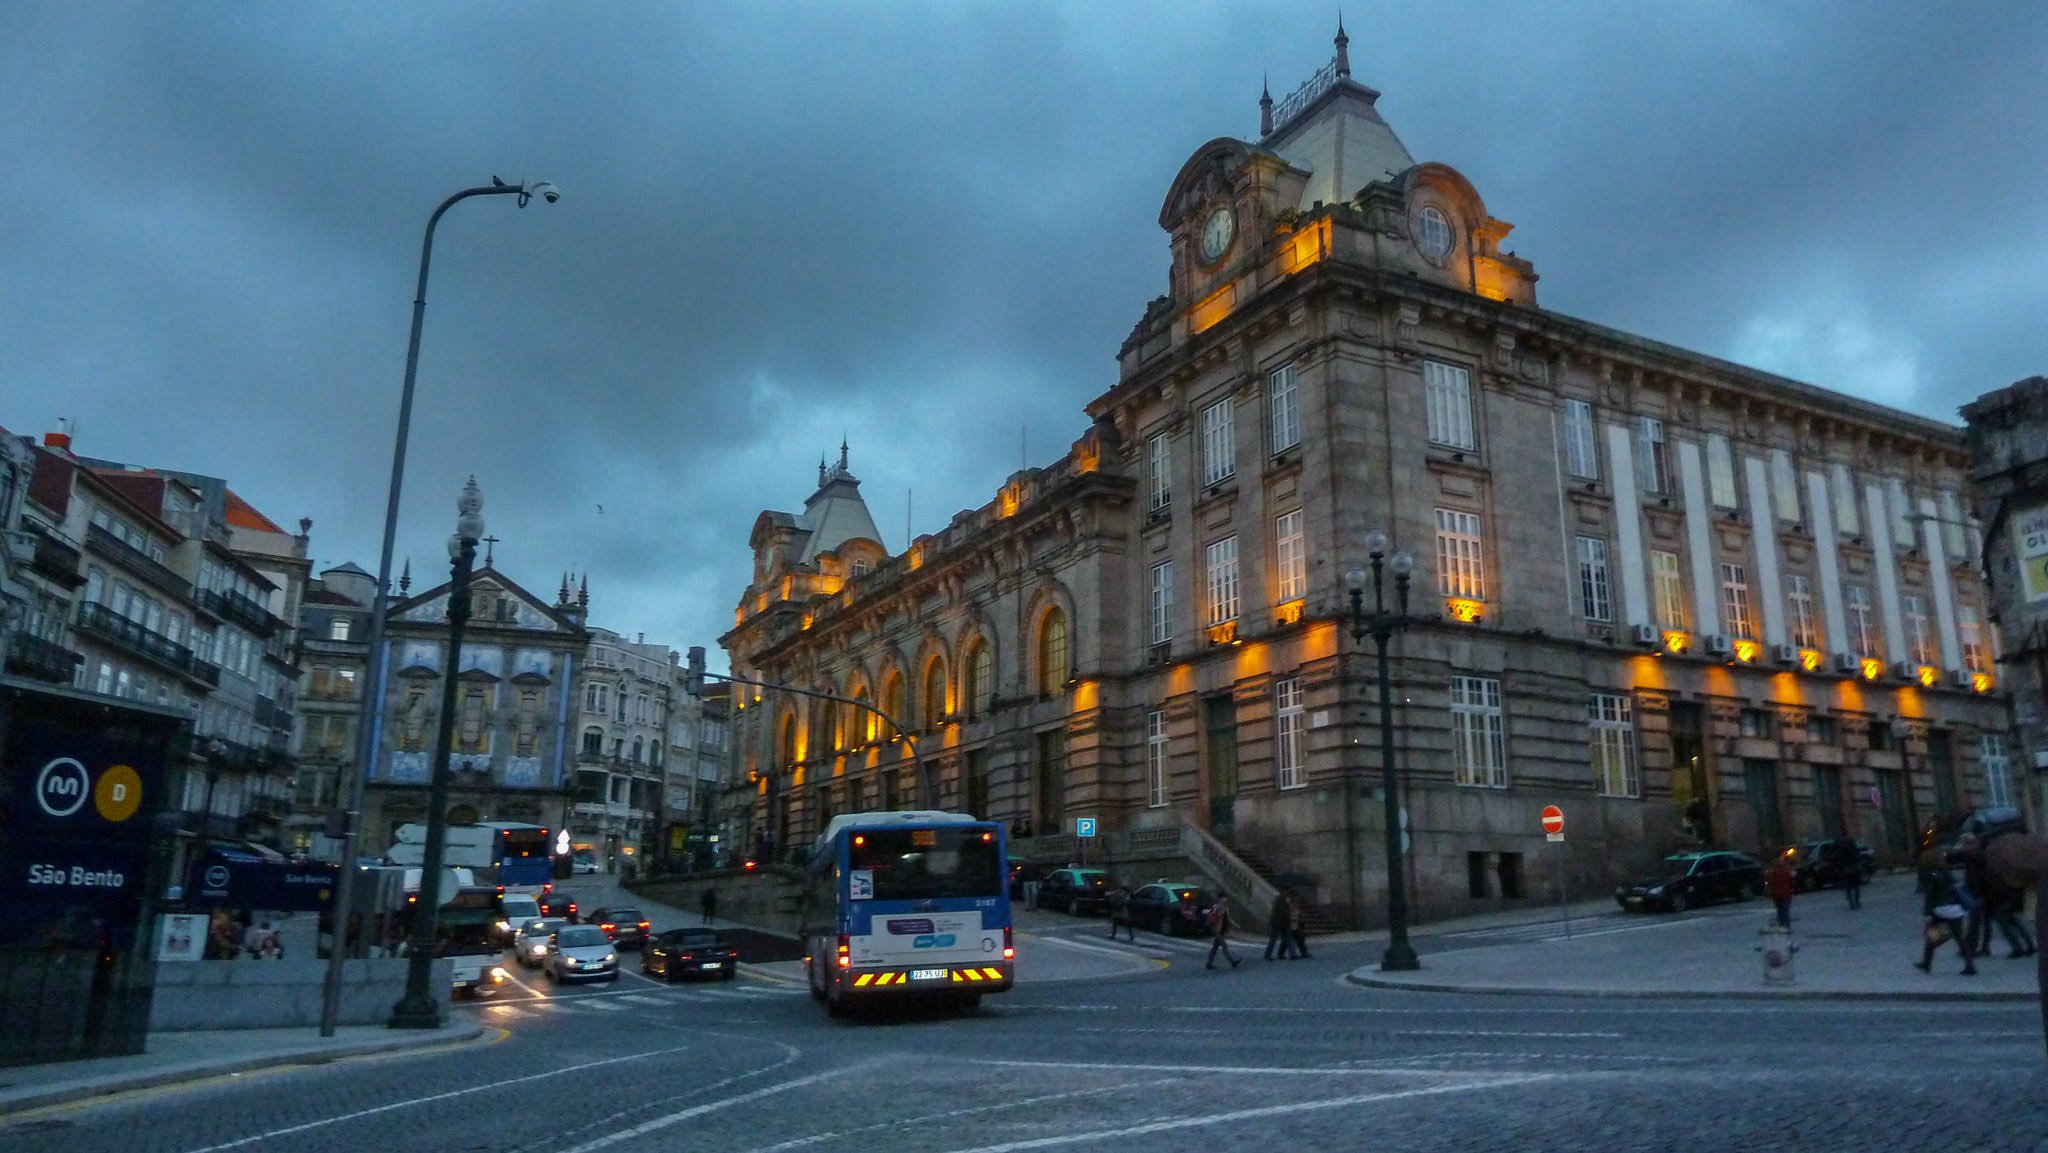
point(693, 673)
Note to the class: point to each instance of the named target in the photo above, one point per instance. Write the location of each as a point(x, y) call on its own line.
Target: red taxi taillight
point(1009, 947)
point(845, 943)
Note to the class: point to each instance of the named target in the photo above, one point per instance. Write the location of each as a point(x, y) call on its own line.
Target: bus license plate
point(927, 974)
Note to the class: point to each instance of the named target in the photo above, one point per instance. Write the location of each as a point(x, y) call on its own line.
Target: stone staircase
point(1315, 919)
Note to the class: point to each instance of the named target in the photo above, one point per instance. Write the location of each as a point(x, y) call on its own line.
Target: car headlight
point(610, 957)
point(504, 926)
point(1654, 891)
point(498, 975)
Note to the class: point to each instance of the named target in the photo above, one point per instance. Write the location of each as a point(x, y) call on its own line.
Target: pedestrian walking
point(1297, 924)
point(1780, 883)
point(1848, 863)
point(1219, 932)
point(1031, 875)
point(1973, 877)
point(1120, 913)
point(709, 902)
point(1280, 932)
point(1945, 915)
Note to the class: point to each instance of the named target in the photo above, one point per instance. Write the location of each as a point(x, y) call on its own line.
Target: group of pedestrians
point(1288, 934)
point(1962, 901)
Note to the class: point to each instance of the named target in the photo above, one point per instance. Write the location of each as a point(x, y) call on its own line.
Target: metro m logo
point(62, 786)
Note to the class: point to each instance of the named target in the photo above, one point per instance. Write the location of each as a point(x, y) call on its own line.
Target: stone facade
point(620, 713)
point(1687, 601)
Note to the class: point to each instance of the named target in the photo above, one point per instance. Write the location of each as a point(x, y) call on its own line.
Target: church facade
point(1686, 601)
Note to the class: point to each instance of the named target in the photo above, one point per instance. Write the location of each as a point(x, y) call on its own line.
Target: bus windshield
point(919, 864)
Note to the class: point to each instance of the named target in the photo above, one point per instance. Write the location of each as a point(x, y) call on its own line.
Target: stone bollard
point(1777, 948)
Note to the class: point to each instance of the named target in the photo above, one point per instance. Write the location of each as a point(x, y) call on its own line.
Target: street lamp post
point(1381, 626)
point(420, 1008)
point(373, 666)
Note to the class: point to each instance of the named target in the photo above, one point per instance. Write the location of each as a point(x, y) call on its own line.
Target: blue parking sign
point(1084, 826)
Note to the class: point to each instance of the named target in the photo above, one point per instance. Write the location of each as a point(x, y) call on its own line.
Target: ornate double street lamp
point(373, 679)
point(420, 1008)
point(1381, 626)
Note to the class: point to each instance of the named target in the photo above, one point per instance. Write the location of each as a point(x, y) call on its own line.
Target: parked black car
point(1175, 908)
point(1080, 891)
point(1820, 864)
point(1022, 871)
point(624, 925)
point(1696, 878)
point(558, 905)
point(696, 952)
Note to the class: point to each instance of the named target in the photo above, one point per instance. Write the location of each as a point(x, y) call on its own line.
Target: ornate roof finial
point(1265, 106)
point(562, 595)
point(1343, 47)
point(842, 452)
point(821, 472)
point(583, 593)
point(405, 578)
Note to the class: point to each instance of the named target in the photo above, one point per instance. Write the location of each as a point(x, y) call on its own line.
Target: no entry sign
point(1553, 820)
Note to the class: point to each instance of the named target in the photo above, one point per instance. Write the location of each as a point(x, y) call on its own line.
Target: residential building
point(333, 627)
point(622, 715)
point(696, 829)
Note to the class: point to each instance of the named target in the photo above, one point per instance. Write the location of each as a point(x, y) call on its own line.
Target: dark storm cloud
point(925, 228)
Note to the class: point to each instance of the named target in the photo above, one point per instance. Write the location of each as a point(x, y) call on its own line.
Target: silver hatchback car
point(582, 953)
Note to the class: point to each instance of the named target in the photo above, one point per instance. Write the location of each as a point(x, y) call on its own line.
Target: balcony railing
point(141, 563)
point(206, 672)
point(239, 609)
point(34, 657)
point(55, 557)
point(102, 621)
point(270, 716)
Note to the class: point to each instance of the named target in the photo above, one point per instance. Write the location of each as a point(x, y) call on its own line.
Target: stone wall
point(278, 994)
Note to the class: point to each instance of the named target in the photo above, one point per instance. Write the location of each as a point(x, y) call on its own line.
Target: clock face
point(1216, 233)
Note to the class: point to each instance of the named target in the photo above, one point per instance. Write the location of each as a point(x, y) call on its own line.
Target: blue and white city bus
point(908, 906)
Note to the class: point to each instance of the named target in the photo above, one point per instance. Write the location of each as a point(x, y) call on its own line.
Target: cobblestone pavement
point(1282, 1054)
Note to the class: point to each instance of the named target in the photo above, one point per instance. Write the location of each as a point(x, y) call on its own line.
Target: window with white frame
point(1997, 769)
point(1668, 580)
point(1219, 435)
point(337, 629)
point(1290, 765)
point(1785, 488)
point(859, 567)
point(597, 698)
point(1656, 476)
point(1460, 555)
point(1156, 791)
point(1919, 636)
point(1799, 599)
point(1581, 447)
point(1972, 635)
point(1222, 571)
point(1159, 470)
point(1162, 602)
point(1847, 521)
point(1735, 618)
point(1448, 390)
point(1613, 738)
point(1290, 558)
point(1478, 736)
point(1594, 597)
point(1862, 637)
point(1721, 472)
point(1284, 408)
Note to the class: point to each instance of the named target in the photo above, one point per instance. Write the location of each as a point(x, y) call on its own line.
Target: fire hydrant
point(1777, 949)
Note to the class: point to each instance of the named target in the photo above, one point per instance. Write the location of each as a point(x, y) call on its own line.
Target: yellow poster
point(2030, 545)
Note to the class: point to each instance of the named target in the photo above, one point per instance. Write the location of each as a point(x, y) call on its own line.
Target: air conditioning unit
point(1645, 635)
point(1905, 670)
point(1785, 654)
point(1718, 645)
point(1848, 663)
point(1962, 678)
point(21, 544)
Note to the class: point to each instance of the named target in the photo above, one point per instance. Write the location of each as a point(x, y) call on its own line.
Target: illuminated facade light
point(1928, 675)
point(1676, 641)
point(1223, 634)
point(1872, 668)
point(1809, 659)
point(1981, 682)
point(1288, 613)
point(1745, 651)
point(1466, 611)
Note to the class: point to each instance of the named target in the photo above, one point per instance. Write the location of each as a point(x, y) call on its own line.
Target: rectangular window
point(1760, 723)
point(1721, 472)
point(1289, 725)
point(1847, 522)
point(1799, 599)
point(1670, 587)
point(1973, 640)
point(337, 629)
point(1159, 470)
point(1460, 555)
point(1155, 759)
point(1449, 393)
point(1997, 769)
point(1162, 602)
point(1785, 488)
point(1593, 592)
point(1285, 408)
point(1290, 557)
point(1656, 457)
point(1478, 737)
point(1613, 739)
point(1222, 568)
point(1581, 448)
point(1919, 639)
point(1862, 639)
point(1219, 435)
point(1735, 601)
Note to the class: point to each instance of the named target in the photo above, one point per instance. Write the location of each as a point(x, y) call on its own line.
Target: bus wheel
point(967, 1002)
point(817, 986)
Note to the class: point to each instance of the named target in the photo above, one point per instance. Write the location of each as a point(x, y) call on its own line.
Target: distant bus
point(908, 906)
point(507, 853)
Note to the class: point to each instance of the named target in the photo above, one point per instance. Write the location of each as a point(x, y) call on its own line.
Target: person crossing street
point(1219, 932)
point(1120, 913)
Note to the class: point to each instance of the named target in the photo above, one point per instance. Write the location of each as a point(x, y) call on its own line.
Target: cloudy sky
point(924, 227)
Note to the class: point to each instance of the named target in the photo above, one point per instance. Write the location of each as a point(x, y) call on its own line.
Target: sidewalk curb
point(1372, 982)
point(84, 1090)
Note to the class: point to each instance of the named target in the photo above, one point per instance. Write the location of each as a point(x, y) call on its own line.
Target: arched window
point(1052, 653)
point(892, 703)
point(637, 750)
point(829, 724)
point(786, 747)
point(864, 721)
point(981, 679)
point(935, 694)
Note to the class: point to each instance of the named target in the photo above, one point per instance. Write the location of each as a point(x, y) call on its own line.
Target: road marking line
point(642, 999)
point(1095, 1091)
point(1497, 1033)
point(680, 1115)
point(593, 1003)
point(1088, 947)
point(1261, 1070)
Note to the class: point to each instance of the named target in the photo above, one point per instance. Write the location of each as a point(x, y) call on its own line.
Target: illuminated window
point(1222, 570)
point(1594, 599)
point(1973, 639)
point(1437, 237)
point(1997, 769)
point(1847, 522)
point(1735, 619)
point(1284, 408)
point(1919, 637)
point(1861, 636)
point(1656, 476)
point(1290, 557)
point(1155, 758)
point(1581, 452)
point(1460, 555)
point(1613, 738)
point(786, 747)
point(1721, 472)
point(1669, 582)
point(1799, 598)
point(1052, 653)
point(1449, 393)
point(859, 568)
point(1162, 602)
point(1219, 436)
point(1159, 470)
point(892, 702)
point(981, 679)
point(935, 694)
point(337, 629)
point(1478, 735)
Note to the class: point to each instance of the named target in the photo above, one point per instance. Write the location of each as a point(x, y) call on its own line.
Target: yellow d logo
point(118, 794)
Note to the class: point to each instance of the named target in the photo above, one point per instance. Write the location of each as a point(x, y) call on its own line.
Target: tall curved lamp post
point(373, 679)
point(420, 1008)
point(1381, 626)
